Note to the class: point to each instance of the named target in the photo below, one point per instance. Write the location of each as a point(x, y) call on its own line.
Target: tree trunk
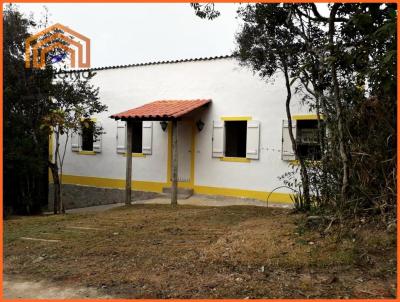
point(56, 179)
point(303, 170)
point(56, 187)
point(61, 202)
point(323, 132)
point(338, 106)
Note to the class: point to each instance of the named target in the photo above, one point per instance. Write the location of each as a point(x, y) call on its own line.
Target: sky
point(127, 33)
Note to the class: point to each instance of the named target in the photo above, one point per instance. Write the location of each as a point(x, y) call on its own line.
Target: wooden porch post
point(174, 188)
point(128, 192)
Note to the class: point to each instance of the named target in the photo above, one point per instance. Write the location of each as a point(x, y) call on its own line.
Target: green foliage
point(205, 10)
point(25, 146)
point(36, 102)
point(266, 40)
point(351, 67)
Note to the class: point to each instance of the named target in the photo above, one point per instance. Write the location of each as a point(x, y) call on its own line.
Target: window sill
point(136, 155)
point(87, 153)
point(236, 159)
point(307, 117)
point(236, 118)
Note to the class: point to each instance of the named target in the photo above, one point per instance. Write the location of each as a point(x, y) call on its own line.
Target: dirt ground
point(19, 288)
point(157, 251)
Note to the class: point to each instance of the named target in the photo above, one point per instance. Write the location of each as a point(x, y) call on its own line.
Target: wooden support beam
point(128, 182)
point(174, 168)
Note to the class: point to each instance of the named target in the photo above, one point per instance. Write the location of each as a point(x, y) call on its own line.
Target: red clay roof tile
point(165, 109)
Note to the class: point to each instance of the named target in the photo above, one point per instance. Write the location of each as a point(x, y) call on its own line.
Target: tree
point(205, 10)
point(37, 101)
point(345, 69)
point(268, 43)
point(359, 39)
point(25, 145)
point(74, 101)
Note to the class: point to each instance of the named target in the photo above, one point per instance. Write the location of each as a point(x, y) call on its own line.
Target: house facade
point(237, 144)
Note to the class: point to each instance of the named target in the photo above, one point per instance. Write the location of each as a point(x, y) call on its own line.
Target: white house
point(233, 143)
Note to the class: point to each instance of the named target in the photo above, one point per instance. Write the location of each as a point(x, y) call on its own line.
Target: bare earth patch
point(156, 251)
point(17, 288)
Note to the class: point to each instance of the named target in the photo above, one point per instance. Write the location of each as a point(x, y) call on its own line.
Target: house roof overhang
point(162, 110)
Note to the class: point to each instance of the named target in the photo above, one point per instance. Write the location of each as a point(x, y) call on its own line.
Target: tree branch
point(318, 16)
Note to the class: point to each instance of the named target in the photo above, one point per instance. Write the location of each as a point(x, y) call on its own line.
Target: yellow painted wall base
point(259, 195)
point(150, 186)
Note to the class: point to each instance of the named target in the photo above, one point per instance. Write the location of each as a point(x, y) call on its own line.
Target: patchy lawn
point(156, 251)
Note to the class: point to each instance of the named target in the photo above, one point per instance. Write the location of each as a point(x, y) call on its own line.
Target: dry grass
point(155, 251)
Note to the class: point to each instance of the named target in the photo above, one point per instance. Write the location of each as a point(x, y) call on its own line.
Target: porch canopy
point(164, 110)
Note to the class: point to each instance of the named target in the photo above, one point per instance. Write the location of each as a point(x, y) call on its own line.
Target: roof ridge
point(151, 63)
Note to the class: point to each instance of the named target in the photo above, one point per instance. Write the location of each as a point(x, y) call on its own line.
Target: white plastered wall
point(234, 91)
